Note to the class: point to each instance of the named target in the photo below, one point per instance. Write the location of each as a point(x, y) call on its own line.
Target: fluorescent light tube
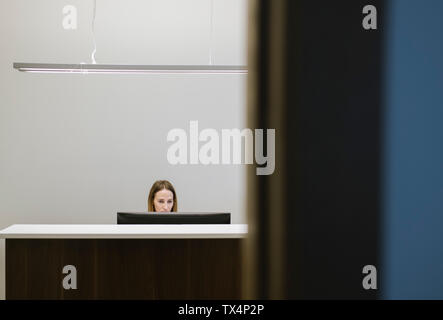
point(128, 69)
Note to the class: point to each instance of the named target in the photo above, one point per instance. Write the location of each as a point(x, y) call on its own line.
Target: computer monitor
point(173, 218)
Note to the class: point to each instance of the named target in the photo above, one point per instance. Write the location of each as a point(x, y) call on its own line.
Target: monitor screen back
point(172, 218)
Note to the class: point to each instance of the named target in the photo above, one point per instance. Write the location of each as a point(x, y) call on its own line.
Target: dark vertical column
point(262, 93)
point(333, 148)
point(328, 126)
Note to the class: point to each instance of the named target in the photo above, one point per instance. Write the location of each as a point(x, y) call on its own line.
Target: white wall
point(78, 148)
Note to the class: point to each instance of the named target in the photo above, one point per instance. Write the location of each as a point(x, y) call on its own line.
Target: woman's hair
point(157, 186)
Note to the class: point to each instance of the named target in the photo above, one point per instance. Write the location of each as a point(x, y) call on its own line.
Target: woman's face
point(163, 201)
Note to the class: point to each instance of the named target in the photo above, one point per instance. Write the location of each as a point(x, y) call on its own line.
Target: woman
point(162, 197)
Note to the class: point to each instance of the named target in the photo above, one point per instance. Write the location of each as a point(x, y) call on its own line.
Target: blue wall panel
point(413, 152)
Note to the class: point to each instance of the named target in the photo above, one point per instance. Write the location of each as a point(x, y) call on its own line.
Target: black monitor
point(172, 218)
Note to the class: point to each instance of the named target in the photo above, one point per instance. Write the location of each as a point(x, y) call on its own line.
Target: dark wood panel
point(80, 253)
point(210, 280)
point(124, 268)
point(30, 266)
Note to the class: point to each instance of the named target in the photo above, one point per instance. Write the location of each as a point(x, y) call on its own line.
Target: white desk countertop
point(113, 231)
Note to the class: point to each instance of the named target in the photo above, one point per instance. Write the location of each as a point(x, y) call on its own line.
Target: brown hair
point(157, 186)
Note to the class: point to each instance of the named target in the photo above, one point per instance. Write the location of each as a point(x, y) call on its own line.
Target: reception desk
point(124, 261)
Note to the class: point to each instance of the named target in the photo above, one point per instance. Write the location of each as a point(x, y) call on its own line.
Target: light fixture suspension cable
point(210, 30)
point(93, 34)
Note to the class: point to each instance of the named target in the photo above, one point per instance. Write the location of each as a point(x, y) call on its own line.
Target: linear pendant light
point(127, 69)
point(83, 68)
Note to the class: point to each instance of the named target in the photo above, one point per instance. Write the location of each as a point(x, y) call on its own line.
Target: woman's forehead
point(164, 193)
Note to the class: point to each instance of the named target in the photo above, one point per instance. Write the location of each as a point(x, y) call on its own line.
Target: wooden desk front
point(192, 266)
